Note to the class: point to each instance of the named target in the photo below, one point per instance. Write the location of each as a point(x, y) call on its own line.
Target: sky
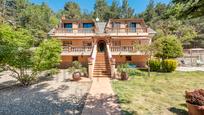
point(88, 5)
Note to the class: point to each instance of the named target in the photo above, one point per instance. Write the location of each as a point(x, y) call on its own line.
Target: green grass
point(160, 94)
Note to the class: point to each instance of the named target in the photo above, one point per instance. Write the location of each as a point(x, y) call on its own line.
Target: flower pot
point(195, 109)
point(76, 76)
point(124, 76)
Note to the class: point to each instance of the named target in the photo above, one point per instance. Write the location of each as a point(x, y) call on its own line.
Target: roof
point(101, 26)
point(151, 31)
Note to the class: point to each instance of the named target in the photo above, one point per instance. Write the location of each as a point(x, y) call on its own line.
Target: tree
point(184, 32)
point(47, 55)
point(127, 12)
point(114, 10)
point(101, 10)
point(149, 13)
point(72, 10)
point(189, 8)
point(39, 19)
point(168, 47)
point(18, 56)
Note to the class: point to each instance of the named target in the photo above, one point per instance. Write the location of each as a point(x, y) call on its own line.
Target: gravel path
point(52, 96)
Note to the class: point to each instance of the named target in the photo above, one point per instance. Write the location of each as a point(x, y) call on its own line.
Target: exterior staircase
point(102, 66)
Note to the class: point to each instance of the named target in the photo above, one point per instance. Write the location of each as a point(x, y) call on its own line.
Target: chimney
point(63, 17)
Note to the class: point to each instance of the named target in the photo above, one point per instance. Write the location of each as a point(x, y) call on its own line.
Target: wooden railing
point(77, 49)
point(122, 49)
point(126, 30)
point(75, 30)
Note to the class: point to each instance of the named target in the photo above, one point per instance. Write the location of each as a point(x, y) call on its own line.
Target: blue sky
point(56, 5)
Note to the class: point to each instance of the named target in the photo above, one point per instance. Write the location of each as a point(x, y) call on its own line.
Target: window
point(132, 27)
point(88, 25)
point(128, 58)
point(116, 43)
point(68, 25)
point(67, 43)
point(75, 58)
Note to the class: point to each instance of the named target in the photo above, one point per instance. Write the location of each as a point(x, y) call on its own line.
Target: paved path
point(101, 99)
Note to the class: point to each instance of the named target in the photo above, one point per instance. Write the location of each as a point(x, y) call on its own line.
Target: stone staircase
point(102, 67)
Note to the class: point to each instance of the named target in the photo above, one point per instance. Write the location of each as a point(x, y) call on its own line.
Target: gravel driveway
point(52, 96)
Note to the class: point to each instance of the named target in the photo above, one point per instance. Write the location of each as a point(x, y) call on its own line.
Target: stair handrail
point(111, 61)
point(92, 61)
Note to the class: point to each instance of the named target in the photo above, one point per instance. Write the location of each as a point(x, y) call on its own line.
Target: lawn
point(160, 94)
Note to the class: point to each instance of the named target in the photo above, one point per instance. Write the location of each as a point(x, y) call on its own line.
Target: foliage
point(155, 65)
point(189, 8)
point(18, 56)
point(77, 67)
point(38, 19)
point(168, 47)
point(184, 32)
point(126, 11)
point(72, 10)
point(26, 79)
point(47, 55)
point(101, 10)
point(169, 65)
point(122, 67)
point(196, 97)
point(131, 71)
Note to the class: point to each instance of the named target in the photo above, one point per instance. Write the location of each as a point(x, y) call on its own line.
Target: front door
point(101, 46)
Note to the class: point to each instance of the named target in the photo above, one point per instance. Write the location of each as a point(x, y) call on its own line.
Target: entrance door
point(101, 46)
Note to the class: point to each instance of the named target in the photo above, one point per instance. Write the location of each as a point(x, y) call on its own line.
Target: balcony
point(127, 31)
point(74, 32)
point(125, 50)
point(86, 50)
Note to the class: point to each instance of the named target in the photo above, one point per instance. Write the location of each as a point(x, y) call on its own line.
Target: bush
point(169, 65)
point(196, 97)
point(26, 80)
point(155, 65)
point(131, 71)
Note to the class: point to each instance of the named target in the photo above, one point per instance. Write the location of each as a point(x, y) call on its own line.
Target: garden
point(162, 93)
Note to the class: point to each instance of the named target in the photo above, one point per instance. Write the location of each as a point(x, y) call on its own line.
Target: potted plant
point(122, 69)
point(195, 102)
point(77, 70)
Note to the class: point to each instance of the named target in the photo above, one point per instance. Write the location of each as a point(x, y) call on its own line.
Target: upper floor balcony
point(74, 31)
point(76, 50)
point(140, 31)
point(125, 50)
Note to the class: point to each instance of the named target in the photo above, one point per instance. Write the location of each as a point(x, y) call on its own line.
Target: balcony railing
point(77, 49)
point(75, 30)
point(122, 48)
point(127, 30)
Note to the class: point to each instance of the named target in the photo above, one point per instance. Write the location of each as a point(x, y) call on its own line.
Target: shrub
point(131, 71)
point(26, 80)
point(155, 65)
point(169, 65)
point(196, 97)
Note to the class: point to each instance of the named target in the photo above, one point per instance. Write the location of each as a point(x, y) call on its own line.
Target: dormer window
point(132, 26)
point(88, 25)
point(67, 25)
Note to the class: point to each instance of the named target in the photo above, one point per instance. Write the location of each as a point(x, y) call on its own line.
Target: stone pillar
point(90, 67)
point(113, 68)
